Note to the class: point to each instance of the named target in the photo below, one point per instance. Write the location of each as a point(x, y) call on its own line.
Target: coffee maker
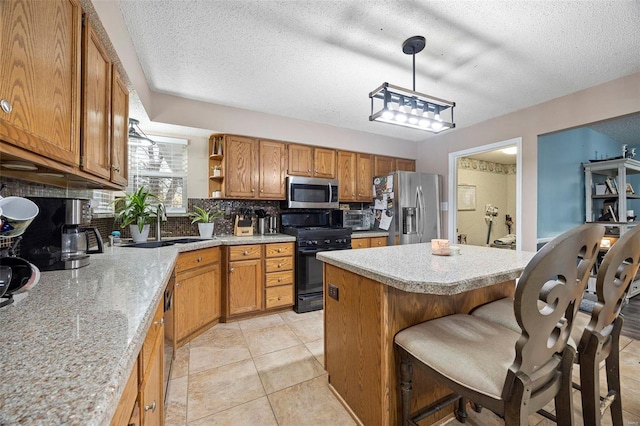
point(59, 237)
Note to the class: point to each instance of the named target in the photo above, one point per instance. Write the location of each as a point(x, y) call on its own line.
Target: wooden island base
point(359, 329)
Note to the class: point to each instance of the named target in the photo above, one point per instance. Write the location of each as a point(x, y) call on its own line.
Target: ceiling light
point(415, 110)
point(138, 134)
point(512, 150)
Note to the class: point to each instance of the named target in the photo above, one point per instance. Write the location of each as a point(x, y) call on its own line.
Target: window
point(161, 169)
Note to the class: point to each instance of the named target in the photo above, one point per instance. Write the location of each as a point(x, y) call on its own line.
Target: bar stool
point(511, 373)
point(596, 331)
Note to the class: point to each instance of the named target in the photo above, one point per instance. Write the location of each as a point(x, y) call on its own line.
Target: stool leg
point(563, 400)
point(461, 410)
point(406, 376)
point(590, 382)
point(613, 374)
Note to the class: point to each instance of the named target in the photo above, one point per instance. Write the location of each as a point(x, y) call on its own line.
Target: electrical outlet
point(333, 292)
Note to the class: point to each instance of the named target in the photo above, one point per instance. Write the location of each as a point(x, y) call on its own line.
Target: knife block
point(242, 227)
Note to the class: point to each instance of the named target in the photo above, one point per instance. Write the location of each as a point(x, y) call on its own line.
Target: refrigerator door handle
point(420, 211)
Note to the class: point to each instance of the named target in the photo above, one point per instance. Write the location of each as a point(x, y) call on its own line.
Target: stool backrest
point(546, 301)
point(617, 271)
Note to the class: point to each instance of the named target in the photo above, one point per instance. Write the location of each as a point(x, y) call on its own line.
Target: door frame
point(453, 185)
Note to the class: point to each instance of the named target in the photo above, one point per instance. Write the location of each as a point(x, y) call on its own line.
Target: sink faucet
point(161, 216)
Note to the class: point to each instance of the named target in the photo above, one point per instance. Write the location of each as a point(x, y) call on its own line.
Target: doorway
point(468, 201)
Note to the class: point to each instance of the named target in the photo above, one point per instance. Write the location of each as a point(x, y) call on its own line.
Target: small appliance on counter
point(357, 220)
point(59, 237)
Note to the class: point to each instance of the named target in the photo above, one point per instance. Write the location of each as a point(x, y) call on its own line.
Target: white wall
point(613, 99)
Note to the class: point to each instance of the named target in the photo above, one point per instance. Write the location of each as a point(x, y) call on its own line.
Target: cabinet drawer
point(279, 296)
point(358, 243)
point(378, 242)
point(280, 249)
point(244, 252)
point(278, 264)
point(278, 278)
point(156, 326)
point(195, 258)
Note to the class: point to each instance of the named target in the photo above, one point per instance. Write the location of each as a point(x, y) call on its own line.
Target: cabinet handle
point(262, 190)
point(115, 169)
point(279, 279)
point(6, 105)
point(159, 322)
point(279, 297)
point(151, 407)
point(280, 250)
point(245, 253)
point(253, 190)
point(279, 265)
point(231, 269)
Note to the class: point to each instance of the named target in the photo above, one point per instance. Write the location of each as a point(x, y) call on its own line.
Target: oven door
point(309, 271)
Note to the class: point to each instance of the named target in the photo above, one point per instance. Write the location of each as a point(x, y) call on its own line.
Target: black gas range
point(314, 234)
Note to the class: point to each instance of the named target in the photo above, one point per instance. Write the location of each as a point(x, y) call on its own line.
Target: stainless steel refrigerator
point(407, 205)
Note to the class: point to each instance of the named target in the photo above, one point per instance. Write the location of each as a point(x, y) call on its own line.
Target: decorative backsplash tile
point(486, 166)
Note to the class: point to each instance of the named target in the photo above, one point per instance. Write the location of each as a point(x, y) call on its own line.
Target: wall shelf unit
point(617, 170)
point(216, 166)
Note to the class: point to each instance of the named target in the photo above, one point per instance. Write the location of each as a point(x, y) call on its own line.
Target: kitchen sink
point(188, 240)
point(164, 243)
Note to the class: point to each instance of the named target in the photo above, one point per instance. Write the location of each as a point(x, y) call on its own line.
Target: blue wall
point(561, 201)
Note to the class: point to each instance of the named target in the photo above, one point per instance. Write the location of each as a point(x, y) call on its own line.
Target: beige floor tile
point(180, 365)
point(309, 403)
point(176, 408)
point(292, 316)
point(260, 322)
point(624, 341)
point(217, 347)
point(270, 339)
point(317, 349)
point(633, 347)
point(287, 367)
point(629, 364)
point(308, 330)
point(252, 413)
point(219, 389)
point(630, 389)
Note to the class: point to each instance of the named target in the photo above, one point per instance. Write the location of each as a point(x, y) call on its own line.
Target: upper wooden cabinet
point(354, 175)
point(383, 165)
point(305, 160)
point(405, 165)
point(96, 105)
point(40, 84)
point(241, 171)
point(272, 170)
point(119, 129)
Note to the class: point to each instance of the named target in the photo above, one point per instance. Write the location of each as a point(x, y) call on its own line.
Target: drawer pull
point(151, 407)
point(231, 270)
point(280, 250)
point(245, 253)
point(279, 279)
point(279, 297)
point(6, 106)
point(159, 322)
point(279, 265)
point(199, 260)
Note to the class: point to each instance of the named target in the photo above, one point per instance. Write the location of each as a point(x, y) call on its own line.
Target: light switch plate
point(333, 292)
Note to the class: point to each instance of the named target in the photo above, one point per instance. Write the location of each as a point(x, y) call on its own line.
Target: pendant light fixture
point(135, 132)
point(408, 108)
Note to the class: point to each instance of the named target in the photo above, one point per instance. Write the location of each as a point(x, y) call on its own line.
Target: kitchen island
point(70, 343)
point(371, 294)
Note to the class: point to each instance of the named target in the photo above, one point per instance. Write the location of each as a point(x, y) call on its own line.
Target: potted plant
point(205, 220)
point(135, 210)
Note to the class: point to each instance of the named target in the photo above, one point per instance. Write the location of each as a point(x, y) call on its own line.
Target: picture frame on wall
point(466, 197)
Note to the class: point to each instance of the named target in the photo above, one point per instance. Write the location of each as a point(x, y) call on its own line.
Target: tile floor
point(268, 371)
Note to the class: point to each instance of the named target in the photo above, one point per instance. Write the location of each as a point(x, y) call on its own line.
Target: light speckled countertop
point(68, 345)
point(414, 269)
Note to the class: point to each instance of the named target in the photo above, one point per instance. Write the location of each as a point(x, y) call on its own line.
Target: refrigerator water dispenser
point(409, 220)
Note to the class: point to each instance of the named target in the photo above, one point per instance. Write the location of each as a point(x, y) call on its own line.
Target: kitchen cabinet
point(95, 140)
point(243, 289)
point(119, 129)
point(197, 303)
point(241, 167)
point(279, 278)
point(383, 165)
point(354, 176)
point(305, 160)
point(40, 84)
point(216, 166)
point(128, 400)
point(358, 243)
point(405, 165)
point(619, 171)
point(272, 170)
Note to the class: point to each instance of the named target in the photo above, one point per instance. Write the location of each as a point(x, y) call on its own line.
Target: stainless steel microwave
point(312, 193)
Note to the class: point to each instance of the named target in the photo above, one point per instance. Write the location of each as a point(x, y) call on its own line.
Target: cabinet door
point(358, 243)
point(241, 169)
point(378, 242)
point(273, 167)
point(300, 160)
point(152, 392)
point(40, 69)
point(324, 161)
point(364, 177)
point(383, 165)
point(244, 287)
point(197, 299)
point(406, 165)
point(347, 172)
point(119, 129)
point(96, 105)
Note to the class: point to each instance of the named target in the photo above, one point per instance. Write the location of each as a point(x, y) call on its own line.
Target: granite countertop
point(70, 342)
point(413, 268)
point(369, 234)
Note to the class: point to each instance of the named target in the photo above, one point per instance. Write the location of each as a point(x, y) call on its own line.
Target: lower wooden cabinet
point(244, 287)
point(357, 243)
point(152, 392)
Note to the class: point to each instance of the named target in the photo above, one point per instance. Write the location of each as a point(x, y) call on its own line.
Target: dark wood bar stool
point(596, 332)
point(511, 373)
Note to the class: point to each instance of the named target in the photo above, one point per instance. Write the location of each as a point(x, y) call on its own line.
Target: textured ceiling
point(318, 60)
